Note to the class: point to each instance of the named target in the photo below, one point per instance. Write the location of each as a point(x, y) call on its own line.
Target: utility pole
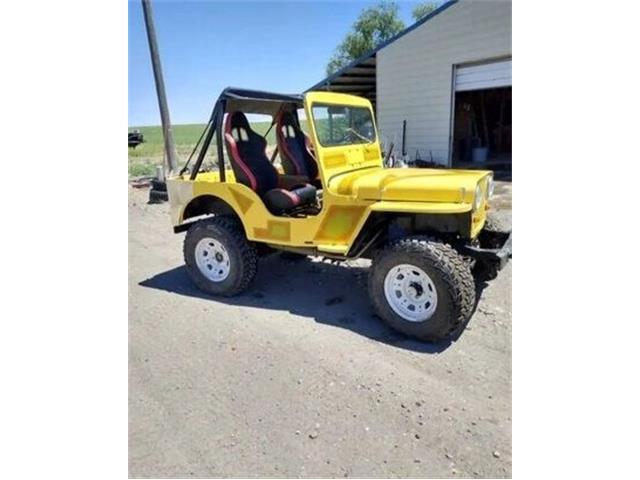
point(169, 145)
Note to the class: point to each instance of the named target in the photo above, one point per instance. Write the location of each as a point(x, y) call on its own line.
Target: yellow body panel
point(334, 229)
point(355, 185)
point(414, 207)
point(343, 158)
point(409, 184)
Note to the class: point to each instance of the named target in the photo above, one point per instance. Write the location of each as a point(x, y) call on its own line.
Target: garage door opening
point(482, 117)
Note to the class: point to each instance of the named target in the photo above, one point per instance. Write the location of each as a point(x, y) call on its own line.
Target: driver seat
point(251, 167)
point(293, 146)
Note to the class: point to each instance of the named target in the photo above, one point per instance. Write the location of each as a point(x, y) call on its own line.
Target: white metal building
point(449, 77)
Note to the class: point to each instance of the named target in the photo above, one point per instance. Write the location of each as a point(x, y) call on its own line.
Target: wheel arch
point(435, 224)
point(372, 232)
point(396, 225)
point(202, 206)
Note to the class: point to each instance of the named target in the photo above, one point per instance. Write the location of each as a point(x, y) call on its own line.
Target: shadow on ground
point(331, 294)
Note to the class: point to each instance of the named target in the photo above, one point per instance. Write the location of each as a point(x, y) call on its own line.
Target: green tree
point(423, 9)
point(374, 26)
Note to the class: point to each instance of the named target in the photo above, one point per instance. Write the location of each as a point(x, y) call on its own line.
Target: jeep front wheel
point(218, 257)
point(422, 288)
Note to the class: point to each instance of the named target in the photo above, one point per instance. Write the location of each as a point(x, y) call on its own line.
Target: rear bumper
point(497, 255)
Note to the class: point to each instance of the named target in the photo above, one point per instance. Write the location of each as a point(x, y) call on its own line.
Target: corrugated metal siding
point(415, 73)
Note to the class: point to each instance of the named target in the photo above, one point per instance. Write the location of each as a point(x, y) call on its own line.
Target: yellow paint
point(334, 248)
point(415, 207)
point(243, 202)
point(355, 185)
point(342, 158)
point(276, 230)
point(338, 223)
point(409, 184)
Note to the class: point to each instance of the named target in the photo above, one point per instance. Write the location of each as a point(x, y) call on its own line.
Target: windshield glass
point(343, 125)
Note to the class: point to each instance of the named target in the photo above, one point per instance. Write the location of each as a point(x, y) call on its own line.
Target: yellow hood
point(409, 184)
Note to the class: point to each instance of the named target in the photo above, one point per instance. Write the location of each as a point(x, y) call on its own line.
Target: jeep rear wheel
point(422, 288)
point(218, 257)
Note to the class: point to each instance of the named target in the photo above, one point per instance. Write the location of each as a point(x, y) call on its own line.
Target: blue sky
point(205, 46)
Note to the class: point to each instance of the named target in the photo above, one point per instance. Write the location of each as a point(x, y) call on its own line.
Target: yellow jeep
point(423, 229)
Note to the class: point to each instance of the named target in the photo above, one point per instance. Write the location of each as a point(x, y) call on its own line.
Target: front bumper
point(493, 251)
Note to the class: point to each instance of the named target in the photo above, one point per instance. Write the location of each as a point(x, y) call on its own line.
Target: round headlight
point(490, 186)
point(477, 201)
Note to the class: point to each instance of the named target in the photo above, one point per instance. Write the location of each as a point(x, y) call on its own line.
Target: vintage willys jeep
point(425, 230)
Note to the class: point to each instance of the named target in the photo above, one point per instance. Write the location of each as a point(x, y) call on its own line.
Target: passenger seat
point(293, 146)
point(247, 152)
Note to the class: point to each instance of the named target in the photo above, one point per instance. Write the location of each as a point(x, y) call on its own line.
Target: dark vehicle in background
point(135, 138)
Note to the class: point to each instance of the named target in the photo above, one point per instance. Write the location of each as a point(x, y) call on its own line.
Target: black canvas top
point(246, 101)
point(245, 94)
point(256, 101)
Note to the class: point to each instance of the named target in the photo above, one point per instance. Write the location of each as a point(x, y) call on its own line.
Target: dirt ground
point(298, 378)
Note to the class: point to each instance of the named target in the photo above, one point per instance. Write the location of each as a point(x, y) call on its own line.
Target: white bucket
point(160, 172)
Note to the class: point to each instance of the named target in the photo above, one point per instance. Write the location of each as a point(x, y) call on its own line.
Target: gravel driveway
point(298, 378)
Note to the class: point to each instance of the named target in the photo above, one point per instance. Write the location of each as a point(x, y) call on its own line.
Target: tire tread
point(455, 273)
point(247, 251)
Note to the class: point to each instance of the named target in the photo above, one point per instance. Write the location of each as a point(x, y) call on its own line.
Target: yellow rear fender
point(206, 205)
point(210, 197)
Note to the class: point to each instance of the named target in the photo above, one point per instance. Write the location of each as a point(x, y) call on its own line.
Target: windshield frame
point(346, 106)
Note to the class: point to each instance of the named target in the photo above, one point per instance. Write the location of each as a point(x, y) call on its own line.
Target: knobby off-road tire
point(446, 270)
point(233, 259)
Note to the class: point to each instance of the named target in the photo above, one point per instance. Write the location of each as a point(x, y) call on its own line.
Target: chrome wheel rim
point(411, 293)
point(212, 259)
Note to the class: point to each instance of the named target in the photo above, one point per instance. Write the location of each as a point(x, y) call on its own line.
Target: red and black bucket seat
point(251, 166)
point(293, 146)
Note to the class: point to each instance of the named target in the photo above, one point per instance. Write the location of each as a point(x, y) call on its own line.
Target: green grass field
point(144, 158)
